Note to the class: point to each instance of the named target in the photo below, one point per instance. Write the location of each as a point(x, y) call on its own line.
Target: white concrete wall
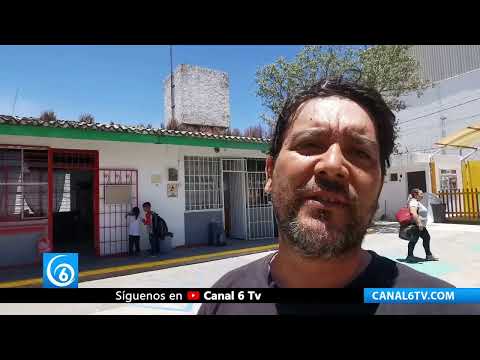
point(392, 197)
point(148, 159)
point(462, 91)
point(395, 193)
point(420, 161)
point(201, 96)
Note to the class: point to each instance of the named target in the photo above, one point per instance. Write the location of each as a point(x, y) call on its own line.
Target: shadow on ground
point(416, 260)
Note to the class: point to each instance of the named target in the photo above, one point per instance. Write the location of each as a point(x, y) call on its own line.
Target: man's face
point(146, 208)
point(327, 178)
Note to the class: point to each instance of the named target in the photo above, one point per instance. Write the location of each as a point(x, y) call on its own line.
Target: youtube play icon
point(193, 295)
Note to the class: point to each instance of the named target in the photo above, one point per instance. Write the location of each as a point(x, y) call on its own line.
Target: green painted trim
point(87, 134)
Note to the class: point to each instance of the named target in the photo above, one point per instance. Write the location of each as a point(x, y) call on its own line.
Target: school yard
point(457, 246)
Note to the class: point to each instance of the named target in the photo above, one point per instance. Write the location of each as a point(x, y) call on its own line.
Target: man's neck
point(290, 270)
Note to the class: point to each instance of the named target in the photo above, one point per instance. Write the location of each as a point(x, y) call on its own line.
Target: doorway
point(248, 211)
point(234, 205)
point(73, 229)
point(73, 212)
point(418, 180)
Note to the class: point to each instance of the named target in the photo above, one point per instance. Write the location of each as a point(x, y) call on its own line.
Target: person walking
point(419, 229)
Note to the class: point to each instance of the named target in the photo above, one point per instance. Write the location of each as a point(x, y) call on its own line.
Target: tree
point(257, 131)
point(388, 68)
point(172, 125)
point(393, 72)
point(48, 116)
point(87, 118)
point(233, 132)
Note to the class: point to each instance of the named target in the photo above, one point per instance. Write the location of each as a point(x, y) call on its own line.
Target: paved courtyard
point(457, 246)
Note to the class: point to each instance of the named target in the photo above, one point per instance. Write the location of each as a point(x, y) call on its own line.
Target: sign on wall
point(156, 179)
point(118, 194)
point(172, 190)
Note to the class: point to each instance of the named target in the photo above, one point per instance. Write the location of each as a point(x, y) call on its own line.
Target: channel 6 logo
point(60, 270)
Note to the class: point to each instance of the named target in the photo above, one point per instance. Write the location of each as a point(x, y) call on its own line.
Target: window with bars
point(172, 174)
point(23, 184)
point(448, 179)
point(256, 165)
point(202, 183)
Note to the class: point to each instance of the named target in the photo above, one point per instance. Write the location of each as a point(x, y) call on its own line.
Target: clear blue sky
point(123, 83)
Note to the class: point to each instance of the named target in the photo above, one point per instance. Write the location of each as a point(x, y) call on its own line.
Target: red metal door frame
point(50, 198)
point(95, 171)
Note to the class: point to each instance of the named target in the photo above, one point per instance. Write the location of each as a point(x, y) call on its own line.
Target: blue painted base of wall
point(197, 226)
point(19, 249)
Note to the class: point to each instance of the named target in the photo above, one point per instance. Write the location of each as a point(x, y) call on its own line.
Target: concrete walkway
point(202, 275)
point(93, 267)
point(457, 246)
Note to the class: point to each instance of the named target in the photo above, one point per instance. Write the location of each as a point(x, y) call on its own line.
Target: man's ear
point(269, 164)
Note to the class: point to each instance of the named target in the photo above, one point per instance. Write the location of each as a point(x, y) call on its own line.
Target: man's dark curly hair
point(368, 98)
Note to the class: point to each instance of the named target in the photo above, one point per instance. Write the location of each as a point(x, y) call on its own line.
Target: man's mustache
point(327, 185)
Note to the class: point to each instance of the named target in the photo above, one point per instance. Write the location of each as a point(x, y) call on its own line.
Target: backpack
point(159, 226)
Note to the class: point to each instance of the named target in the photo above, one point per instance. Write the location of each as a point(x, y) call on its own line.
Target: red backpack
point(403, 216)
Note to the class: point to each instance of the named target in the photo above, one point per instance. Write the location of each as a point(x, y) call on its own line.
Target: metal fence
point(461, 204)
point(113, 222)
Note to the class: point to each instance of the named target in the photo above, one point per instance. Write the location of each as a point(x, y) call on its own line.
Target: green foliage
point(388, 68)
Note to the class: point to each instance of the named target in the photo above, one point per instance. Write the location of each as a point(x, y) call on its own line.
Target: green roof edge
point(88, 134)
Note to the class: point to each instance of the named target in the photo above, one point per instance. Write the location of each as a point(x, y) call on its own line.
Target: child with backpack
point(156, 227)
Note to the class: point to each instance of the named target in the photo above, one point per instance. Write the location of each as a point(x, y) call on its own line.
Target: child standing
point(151, 226)
point(134, 231)
point(156, 226)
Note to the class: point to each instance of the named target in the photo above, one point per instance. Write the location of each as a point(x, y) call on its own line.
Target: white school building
point(67, 185)
point(73, 185)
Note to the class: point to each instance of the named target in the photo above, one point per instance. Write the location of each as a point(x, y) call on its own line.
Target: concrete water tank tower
point(201, 97)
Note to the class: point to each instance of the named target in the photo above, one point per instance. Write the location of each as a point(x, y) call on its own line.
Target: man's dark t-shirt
point(380, 273)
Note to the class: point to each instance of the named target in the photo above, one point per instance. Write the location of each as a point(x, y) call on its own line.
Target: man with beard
point(325, 171)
